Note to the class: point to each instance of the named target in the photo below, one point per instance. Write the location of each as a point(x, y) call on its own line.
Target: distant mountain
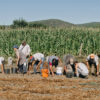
point(91, 24)
point(53, 23)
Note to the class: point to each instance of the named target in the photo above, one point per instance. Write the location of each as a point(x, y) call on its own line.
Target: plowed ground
point(34, 87)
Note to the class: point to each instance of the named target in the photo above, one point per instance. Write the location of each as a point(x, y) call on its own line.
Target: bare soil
point(34, 87)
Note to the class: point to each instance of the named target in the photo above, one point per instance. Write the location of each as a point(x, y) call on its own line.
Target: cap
point(92, 56)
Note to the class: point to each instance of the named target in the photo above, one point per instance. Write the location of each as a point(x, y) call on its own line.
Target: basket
point(45, 72)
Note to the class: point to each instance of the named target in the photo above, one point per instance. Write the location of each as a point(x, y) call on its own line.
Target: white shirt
point(83, 68)
point(25, 49)
point(1, 60)
point(96, 59)
point(38, 56)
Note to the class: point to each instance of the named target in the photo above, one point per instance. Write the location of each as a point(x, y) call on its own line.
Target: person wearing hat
point(1, 64)
point(53, 61)
point(93, 59)
point(37, 61)
point(21, 58)
point(69, 65)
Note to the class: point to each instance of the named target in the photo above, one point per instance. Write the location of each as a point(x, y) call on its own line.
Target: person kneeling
point(81, 70)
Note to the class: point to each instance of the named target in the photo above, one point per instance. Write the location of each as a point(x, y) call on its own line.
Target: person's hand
point(17, 63)
point(97, 73)
point(52, 74)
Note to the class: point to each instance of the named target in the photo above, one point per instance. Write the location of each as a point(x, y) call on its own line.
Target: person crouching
point(69, 66)
point(81, 70)
point(37, 60)
point(93, 59)
point(53, 61)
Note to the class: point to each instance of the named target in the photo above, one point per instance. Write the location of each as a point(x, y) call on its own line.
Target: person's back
point(51, 58)
point(83, 68)
point(68, 59)
point(38, 56)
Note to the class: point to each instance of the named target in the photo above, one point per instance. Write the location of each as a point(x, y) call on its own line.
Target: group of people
point(72, 68)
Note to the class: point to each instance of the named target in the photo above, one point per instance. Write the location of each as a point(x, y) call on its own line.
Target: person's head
point(55, 62)
point(32, 59)
point(71, 61)
point(15, 47)
point(24, 43)
point(76, 62)
point(92, 56)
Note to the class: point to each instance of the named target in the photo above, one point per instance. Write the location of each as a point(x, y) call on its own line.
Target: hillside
point(91, 24)
point(53, 23)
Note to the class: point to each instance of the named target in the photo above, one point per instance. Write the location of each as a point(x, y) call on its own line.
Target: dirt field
point(34, 87)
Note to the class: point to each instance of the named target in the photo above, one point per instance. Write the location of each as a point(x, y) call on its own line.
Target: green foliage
point(19, 23)
point(92, 24)
point(54, 23)
point(51, 40)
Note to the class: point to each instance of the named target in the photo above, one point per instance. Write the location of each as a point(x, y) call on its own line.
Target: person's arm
point(2, 68)
point(28, 51)
point(39, 64)
point(76, 71)
point(17, 57)
point(17, 60)
point(59, 60)
point(20, 47)
point(33, 62)
point(97, 69)
point(87, 64)
point(65, 68)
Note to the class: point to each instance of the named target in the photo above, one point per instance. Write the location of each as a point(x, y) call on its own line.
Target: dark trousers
point(92, 64)
point(20, 68)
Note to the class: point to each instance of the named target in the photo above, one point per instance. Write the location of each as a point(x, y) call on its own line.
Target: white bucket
point(59, 70)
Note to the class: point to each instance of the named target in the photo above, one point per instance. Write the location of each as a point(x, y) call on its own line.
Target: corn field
point(51, 40)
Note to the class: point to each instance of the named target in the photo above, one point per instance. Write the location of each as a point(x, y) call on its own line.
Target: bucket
point(45, 72)
point(59, 70)
point(69, 74)
point(7, 71)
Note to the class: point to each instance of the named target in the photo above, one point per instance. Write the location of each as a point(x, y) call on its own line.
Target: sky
point(73, 11)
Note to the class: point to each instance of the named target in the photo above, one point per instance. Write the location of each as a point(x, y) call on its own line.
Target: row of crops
point(51, 41)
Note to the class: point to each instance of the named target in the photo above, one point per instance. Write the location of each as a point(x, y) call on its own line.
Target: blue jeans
point(41, 66)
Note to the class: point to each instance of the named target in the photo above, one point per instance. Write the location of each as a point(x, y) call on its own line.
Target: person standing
point(25, 49)
point(21, 59)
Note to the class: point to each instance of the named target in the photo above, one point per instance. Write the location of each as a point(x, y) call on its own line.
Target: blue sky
point(74, 11)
